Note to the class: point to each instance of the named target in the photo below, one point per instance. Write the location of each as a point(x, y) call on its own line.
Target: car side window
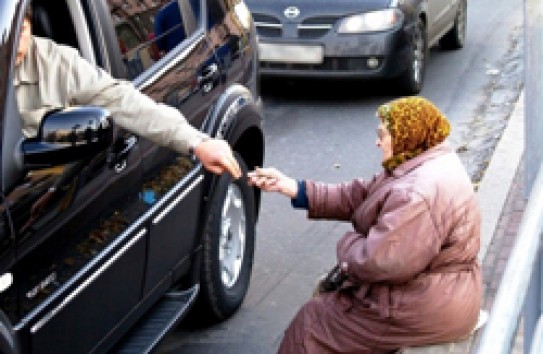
point(146, 33)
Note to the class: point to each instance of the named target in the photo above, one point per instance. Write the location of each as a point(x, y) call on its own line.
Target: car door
point(440, 15)
point(183, 73)
point(79, 250)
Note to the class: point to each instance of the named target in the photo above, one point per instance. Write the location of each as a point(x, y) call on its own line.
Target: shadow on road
point(330, 90)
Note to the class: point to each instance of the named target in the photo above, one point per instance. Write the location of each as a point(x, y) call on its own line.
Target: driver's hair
point(28, 12)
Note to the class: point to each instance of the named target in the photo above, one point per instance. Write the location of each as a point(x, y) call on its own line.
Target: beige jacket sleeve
point(134, 111)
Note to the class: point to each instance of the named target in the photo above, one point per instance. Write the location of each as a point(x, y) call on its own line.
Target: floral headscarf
point(415, 125)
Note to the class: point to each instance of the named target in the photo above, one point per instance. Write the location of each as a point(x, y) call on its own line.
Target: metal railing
point(523, 266)
point(521, 284)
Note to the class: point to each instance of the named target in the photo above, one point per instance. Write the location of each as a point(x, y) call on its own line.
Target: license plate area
point(289, 53)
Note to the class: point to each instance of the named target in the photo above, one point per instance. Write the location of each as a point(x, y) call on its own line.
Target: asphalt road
point(330, 136)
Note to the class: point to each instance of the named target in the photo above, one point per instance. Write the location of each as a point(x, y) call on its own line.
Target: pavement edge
point(498, 177)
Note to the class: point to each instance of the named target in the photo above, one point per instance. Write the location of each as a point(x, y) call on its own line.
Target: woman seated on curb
point(407, 273)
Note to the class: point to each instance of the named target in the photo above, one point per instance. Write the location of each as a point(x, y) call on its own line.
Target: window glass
point(148, 29)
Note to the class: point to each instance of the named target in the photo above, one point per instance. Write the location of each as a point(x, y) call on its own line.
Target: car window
point(146, 31)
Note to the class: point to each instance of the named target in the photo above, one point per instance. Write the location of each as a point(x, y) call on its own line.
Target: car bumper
point(345, 56)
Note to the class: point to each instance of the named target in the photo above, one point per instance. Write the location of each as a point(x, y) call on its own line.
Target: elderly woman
point(410, 262)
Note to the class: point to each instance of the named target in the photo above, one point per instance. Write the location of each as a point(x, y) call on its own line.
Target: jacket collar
point(436, 151)
point(27, 71)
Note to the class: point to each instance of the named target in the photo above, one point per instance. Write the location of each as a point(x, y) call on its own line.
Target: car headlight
point(243, 14)
point(374, 21)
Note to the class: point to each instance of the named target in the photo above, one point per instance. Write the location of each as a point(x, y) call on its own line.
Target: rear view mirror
point(68, 136)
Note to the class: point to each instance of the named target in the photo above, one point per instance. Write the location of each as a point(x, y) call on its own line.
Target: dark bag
point(331, 281)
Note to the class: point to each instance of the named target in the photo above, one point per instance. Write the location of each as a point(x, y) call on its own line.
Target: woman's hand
point(272, 180)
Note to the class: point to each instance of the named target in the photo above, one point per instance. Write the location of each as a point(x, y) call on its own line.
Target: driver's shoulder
point(47, 49)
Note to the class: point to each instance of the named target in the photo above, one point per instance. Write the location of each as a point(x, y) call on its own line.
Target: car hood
point(315, 7)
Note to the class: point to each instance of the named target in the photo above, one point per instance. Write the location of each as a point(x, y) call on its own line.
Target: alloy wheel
point(233, 236)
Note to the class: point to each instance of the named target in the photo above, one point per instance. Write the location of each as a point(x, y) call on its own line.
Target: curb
point(499, 175)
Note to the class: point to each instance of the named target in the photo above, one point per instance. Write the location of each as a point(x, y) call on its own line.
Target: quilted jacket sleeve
point(335, 201)
point(398, 246)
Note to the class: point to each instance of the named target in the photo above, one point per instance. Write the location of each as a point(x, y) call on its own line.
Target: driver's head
point(26, 34)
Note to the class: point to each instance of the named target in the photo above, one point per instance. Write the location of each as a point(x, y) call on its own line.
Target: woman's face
point(384, 141)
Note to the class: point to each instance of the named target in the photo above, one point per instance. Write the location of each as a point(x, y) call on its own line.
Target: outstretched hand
point(217, 157)
point(272, 180)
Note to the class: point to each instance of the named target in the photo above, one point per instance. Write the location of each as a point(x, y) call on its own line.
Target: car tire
point(412, 79)
point(455, 38)
point(228, 249)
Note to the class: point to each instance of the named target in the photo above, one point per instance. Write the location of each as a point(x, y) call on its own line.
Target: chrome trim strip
point(176, 201)
point(268, 25)
point(43, 321)
point(317, 27)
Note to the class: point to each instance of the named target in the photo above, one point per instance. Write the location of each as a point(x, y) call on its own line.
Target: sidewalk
point(505, 175)
point(501, 194)
point(501, 245)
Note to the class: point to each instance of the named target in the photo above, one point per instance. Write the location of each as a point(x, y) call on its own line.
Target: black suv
point(105, 243)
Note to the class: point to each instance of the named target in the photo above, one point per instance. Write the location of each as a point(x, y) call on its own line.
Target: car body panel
point(441, 15)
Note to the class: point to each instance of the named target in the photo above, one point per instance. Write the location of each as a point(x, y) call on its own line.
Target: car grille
point(310, 28)
point(329, 64)
point(268, 26)
point(316, 27)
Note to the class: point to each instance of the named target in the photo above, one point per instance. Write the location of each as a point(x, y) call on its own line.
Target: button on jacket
point(56, 76)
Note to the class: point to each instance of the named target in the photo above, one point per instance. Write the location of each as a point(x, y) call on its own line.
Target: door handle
point(206, 79)
point(128, 145)
point(121, 150)
point(208, 73)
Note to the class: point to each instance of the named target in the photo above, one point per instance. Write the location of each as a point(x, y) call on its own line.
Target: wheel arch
point(237, 117)
point(248, 142)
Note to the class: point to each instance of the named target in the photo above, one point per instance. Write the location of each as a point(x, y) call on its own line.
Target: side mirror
point(67, 136)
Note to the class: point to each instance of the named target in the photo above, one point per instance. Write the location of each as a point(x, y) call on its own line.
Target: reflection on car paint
point(94, 237)
point(168, 175)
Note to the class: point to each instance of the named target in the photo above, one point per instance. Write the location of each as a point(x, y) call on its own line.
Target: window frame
point(172, 58)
